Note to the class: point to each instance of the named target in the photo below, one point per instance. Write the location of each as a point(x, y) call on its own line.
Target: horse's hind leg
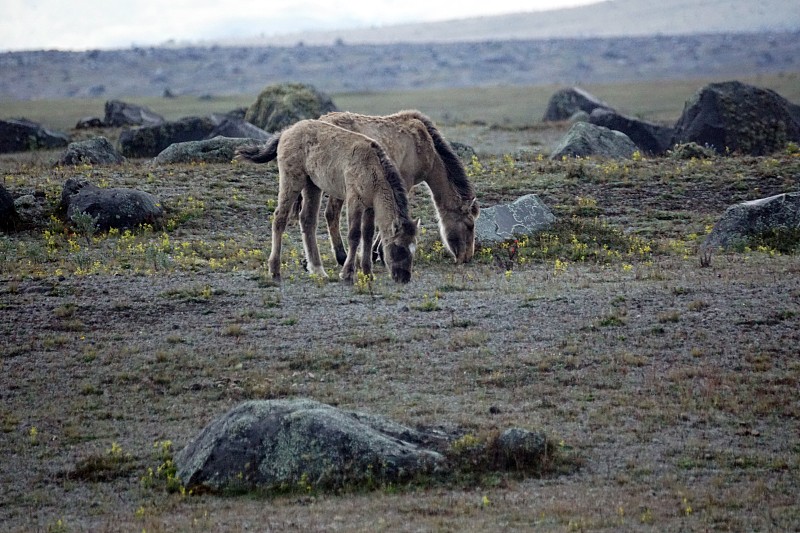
point(308, 223)
point(332, 212)
point(367, 234)
point(354, 214)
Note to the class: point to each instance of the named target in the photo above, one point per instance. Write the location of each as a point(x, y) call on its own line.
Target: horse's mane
point(455, 169)
point(394, 179)
point(260, 154)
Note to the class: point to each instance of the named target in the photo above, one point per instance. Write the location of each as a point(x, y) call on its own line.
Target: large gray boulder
point(149, 141)
point(585, 139)
point(112, 207)
point(97, 151)
point(566, 102)
point(651, 138)
point(216, 150)
point(525, 216)
point(281, 105)
point(119, 113)
point(238, 128)
point(281, 444)
point(736, 117)
point(765, 218)
point(21, 135)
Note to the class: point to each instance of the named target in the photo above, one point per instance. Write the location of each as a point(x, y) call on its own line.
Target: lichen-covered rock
point(691, 150)
point(216, 150)
point(651, 138)
point(525, 216)
point(566, 102)
point(149, 141)
point(20, 135)
point(757, 219)
point(736, 117)
point(281, 105)
point(281, 444)
point(111, 208)
point(585, 139)
point(97, 151)
point(119, 113)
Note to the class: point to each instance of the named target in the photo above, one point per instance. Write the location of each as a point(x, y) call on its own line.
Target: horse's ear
point(419, 223)
point(474, 209)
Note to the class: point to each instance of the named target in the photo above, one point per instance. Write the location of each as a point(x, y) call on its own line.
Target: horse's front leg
point(354, 215)
point(332, 212)
point(286, 198)
point(308, 223)
point(367, 234)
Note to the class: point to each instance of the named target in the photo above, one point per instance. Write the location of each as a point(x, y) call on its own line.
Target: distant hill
point(611, 18)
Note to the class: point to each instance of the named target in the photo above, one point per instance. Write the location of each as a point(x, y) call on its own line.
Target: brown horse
point(421, 153)
point(315, 157)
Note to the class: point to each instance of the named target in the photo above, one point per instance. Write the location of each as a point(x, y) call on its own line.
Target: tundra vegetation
point(669, 388)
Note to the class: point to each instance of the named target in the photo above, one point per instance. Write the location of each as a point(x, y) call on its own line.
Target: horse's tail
point(260, 154)
point(455, 168)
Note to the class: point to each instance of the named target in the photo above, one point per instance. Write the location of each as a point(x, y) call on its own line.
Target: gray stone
point(30, 209)
point(89, 122)
point(736, 117)
point(520, 449)
point(748, 220)
point(525, 216)
point(584, 140)
point(216, 150)
point(651, 138)
point(284, 444)
point(566, 102)
point(97, 151)
point(20, 135)
point(149, 141)
point(238, 128)
point(113, 207)
point(119, 113)
point(281, 105)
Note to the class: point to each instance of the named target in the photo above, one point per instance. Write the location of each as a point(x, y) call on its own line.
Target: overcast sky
point(89, 24)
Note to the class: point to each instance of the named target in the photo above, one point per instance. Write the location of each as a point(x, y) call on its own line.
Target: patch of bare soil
point(674, 386)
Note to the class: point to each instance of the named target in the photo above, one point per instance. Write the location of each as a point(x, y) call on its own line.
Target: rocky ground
point(670, 388)
point(217, 70)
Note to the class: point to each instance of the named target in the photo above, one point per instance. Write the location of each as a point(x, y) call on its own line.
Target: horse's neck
point(445, 195)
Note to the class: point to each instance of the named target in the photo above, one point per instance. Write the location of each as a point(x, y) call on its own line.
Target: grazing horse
point(421, 153)
point(315, 157)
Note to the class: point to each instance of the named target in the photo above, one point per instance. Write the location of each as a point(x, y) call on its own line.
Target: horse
point(315, 157)
point(421, 153)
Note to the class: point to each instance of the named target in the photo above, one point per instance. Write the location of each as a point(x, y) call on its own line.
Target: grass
point(661, 383)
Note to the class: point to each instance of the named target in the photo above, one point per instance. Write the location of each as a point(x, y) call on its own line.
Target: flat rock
point(525, 216)
point(742, 222)
point(216, 150)
point(585, 140)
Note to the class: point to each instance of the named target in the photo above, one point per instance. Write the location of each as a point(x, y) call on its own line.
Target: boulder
point(238, 128)
point(20, 135)
point(766, 218)
point(691, 151)
point(525, 216)
point(97, 151)
point(566, 102)
point(149, 141)
point(32, 209)
point(585, 139)
point(733, 116)
point(111, 208)
point(464, 151)
point(651, 138)
point(8, 213)
point(281, 105)
point(123, 114)
point(285, 444)
point(216, 150)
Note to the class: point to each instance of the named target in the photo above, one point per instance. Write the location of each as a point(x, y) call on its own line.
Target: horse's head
point(399, 248)
point(457, 227)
